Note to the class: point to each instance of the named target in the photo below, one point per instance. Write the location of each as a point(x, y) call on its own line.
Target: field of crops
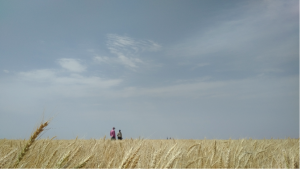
point(139, 153)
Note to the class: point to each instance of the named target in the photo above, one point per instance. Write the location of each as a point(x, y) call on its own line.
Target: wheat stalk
point(63, 159)
point(30, 142)
point(191, 148)
point(135, 161)
point(109, 163)
point(168, 165)
point(83, 162)
point(153, 161)
point(126, 158)
point(165, 156)
point(221, 161)
point(4, 159)
point(168, 153)
point(132, 156)
point(227, 162)
point(191, 162)
point(49, 159)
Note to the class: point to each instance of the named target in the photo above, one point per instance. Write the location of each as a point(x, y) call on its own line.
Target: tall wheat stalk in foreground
point(32, 139)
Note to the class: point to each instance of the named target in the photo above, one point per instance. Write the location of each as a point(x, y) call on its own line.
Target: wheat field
point(145, 153)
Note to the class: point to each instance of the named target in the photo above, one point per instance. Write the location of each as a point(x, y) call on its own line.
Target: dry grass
point(136, 153)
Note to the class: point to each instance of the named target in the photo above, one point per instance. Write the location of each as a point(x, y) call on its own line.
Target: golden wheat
point(142, 153)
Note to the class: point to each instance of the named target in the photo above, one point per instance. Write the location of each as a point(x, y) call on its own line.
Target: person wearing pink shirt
point(113, 134)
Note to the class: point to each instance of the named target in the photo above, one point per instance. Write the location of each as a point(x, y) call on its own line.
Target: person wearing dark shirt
point(119, 135)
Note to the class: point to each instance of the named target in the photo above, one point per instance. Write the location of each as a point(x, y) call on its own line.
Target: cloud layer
point(72, 65)
point(127, 50)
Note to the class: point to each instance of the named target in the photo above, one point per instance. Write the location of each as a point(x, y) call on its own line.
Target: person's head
point(113, 128)
point(119, 130)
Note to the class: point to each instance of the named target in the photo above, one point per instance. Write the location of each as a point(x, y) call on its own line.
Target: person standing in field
point(113, 134)
point(119, 135)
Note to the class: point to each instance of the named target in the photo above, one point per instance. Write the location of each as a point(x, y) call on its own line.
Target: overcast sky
point(154, 69)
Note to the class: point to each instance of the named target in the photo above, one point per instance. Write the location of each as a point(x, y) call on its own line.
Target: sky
point(153, 69)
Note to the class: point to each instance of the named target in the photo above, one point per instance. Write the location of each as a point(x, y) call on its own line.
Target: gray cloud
point(252, 39)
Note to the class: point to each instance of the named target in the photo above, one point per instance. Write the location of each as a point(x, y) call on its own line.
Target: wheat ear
point(132, 156)
point(5, 157)
point(83, 162)
point(45, 165)
point(191, 162)
point(220, 164)
point(30, 142)
point(191, 148)
point(75, 153)
point(168, 165)
point(215, 148)
point(161, 158)
point(167, 155)
point(227, 162)
point(63, 159)
point(153, 161)
point(125, 158)
point(109, 163)
point(135, 161)
point(292, 162)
